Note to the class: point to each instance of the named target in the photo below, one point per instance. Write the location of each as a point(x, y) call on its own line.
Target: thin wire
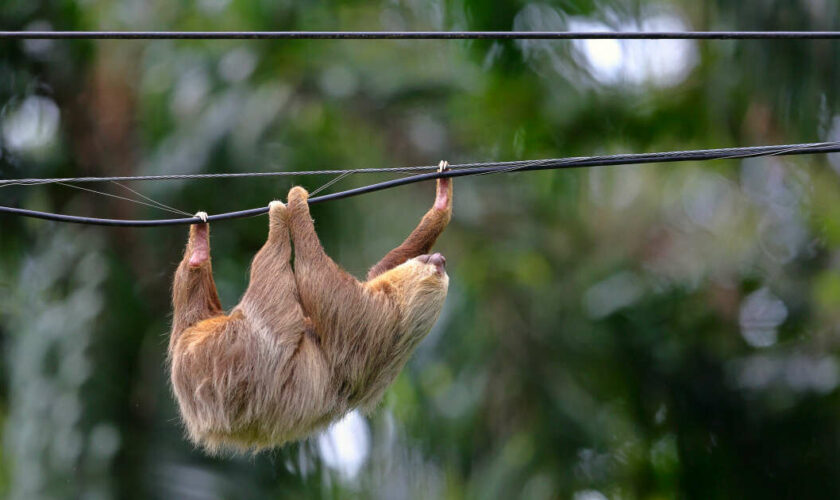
point(701, 154)
point(422, 35)
point(161, 206)
point(227, 175)
point(157, 203)
point(23, 182)
point(737, 153)
point(472, 169)
point(330, 183)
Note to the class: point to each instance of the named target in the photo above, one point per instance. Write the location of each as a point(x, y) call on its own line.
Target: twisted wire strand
point(226, 175)
point(461, 170)
point(421, 35)
point(579, 161)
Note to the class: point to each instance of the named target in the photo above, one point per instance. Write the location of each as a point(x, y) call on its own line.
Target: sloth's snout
point(436, 258)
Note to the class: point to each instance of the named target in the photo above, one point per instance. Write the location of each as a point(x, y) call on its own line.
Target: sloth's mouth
point(438, 260)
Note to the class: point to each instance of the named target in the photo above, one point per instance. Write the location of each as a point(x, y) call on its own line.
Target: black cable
point(421, 35)
point(471, 169)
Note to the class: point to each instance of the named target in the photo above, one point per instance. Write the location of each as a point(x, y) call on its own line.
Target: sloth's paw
point(298, 192)
point(276, 206)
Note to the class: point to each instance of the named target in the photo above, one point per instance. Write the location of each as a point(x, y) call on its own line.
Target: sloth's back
point(244, 385)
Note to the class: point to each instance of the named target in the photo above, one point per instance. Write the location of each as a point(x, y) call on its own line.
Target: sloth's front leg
point(420, 240)
point(194, 296)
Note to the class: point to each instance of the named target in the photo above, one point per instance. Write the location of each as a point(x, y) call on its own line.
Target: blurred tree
point(625, 332)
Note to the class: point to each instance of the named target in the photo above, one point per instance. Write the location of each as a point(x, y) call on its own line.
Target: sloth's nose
point(439, 261)
point(436, 258)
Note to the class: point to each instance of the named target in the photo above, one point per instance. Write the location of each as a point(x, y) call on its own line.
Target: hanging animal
point(308, 342)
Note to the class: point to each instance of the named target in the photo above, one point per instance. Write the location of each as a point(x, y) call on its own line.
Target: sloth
point(308, 342)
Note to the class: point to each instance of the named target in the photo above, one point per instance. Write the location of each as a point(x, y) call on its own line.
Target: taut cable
point(455, 171)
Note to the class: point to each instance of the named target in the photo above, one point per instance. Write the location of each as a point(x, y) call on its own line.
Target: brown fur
point(306, 344)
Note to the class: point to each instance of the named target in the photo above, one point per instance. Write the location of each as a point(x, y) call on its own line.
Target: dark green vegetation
point(626, 332)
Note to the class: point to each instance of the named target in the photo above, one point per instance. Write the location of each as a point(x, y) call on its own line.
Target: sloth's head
point(419, 285)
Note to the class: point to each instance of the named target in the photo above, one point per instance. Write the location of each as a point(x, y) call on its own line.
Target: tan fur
point(306, 344)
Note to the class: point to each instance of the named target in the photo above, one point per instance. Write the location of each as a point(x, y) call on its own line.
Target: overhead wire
point(454, 171)
point(158, 204)
point(486, 167)
point(329, 183)
point(153, 204)
point(432, 173)
point(421, 35)
point(225, 175)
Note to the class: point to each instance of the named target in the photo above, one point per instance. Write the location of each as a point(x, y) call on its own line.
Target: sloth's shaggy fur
point(307, 343)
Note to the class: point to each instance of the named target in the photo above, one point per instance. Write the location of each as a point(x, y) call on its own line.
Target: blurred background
point(633, 332)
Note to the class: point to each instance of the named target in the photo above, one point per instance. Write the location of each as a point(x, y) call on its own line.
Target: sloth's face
point(422, 283)
point(423, 275)
point(418, 287)
point(426, 272)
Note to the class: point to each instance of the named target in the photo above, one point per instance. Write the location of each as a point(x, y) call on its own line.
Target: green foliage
point(653, 331)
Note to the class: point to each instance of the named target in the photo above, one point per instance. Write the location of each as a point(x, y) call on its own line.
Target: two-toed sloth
point(308, 342)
